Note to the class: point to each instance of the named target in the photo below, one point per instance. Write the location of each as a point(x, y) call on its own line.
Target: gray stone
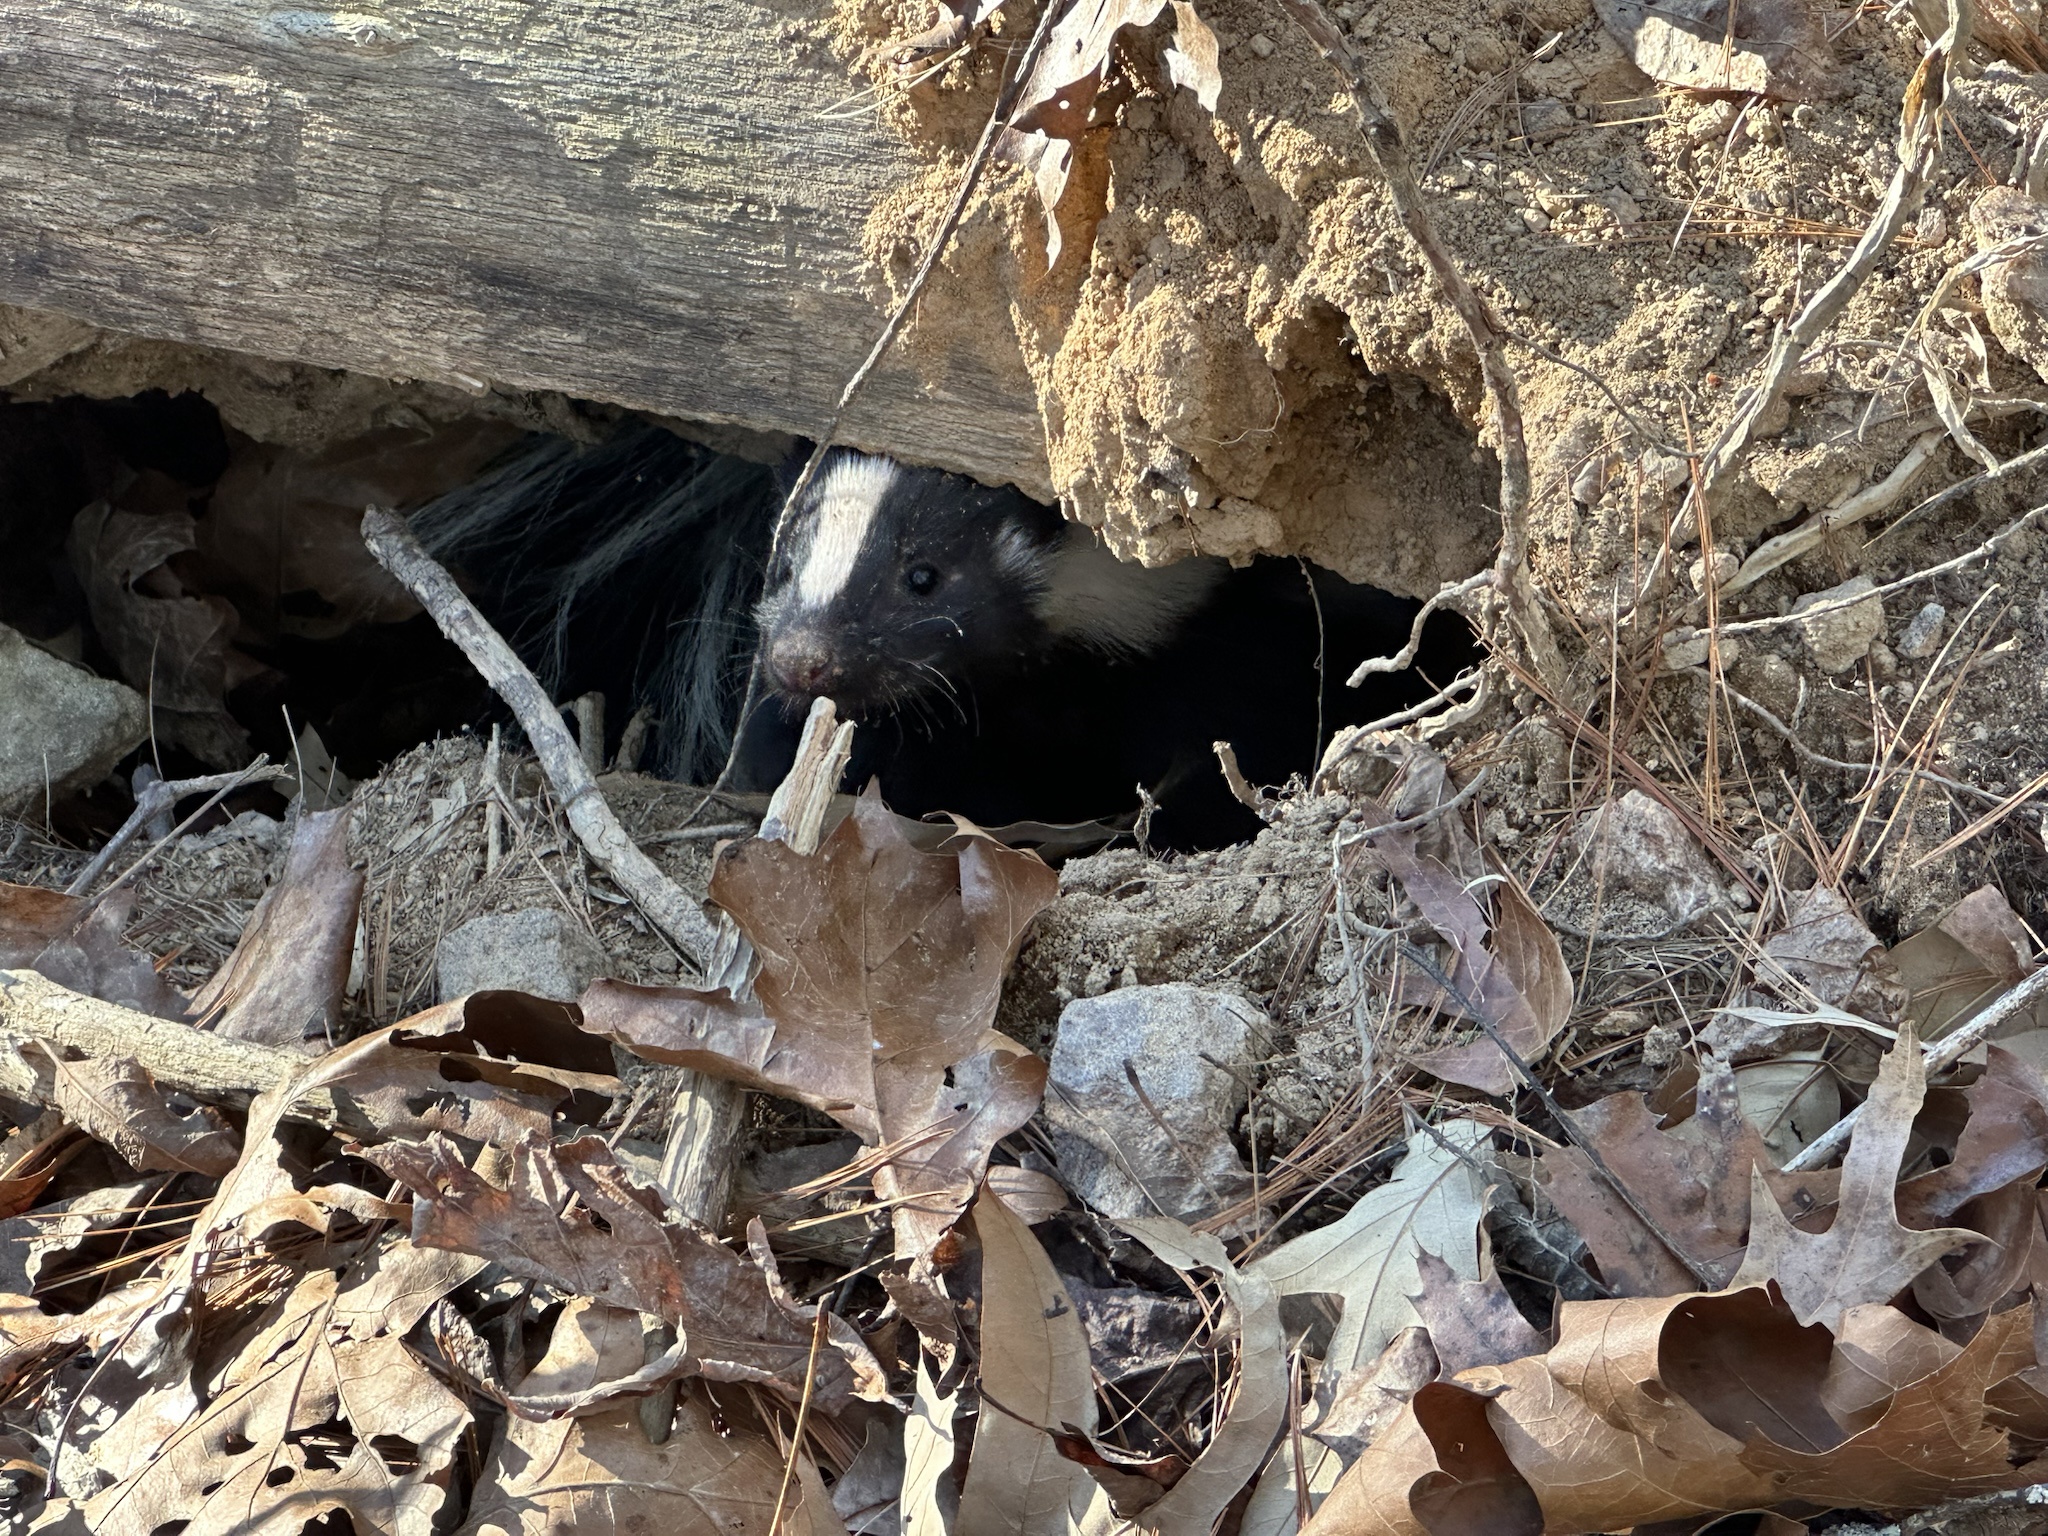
point(1114, 1151)
point(1638, 845)
point(1923, 636)
point(1840, 637)
point(538, 951)
point(60, 726)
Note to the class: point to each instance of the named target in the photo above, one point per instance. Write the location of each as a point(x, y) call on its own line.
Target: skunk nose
point(802, 663)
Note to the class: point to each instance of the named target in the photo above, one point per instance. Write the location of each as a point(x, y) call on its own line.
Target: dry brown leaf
point(1934, 1440)
point(89, 955)
point(596, 1473)
point(1693, 1179)
point(282, 986)
point(1471, 1322)
point(1668, 1408)
point(289, 1429)
point(1964, 1287)
point(1826, 953)
point(1436, 1468)
point(116, 1101)
point(1352, 1406)
point(1961, 961)
point(29, 1335)
point(880, 970)
point(1034, 1196)
point(1865, 1254)
point(1520, 984)
point(1076, 86)
point(169, 644)
point(730, 1324)
point(1370, 1259)
point(393, 1077)
point(30, 917)
point(1878, 1350)
point(1371, 1256)
point(1034, 1379)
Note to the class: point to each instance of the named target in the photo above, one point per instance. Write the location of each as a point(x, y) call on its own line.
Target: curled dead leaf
point(1078, 83)
point(1674, 1407)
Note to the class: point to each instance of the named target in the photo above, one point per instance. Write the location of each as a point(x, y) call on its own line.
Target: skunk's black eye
point(780, 574)
point(921, 579)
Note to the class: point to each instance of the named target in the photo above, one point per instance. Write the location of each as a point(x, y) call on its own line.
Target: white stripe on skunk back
point(848, 496)
point(1119, 607)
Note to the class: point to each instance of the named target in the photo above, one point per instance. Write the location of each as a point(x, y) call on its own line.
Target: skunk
point(1000, 661)
point(626, 567)
point(1003, 664)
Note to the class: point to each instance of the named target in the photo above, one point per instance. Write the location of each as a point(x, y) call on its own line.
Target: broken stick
point(696, 1164)
point(214, 1068)
point(706, 1110)
point(666, 905)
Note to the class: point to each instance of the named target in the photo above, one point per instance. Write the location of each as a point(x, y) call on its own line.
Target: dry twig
point(1937, 1055)
point(1918, 142)
point(158, 799)
point(703, 1103)
point(1489, 337)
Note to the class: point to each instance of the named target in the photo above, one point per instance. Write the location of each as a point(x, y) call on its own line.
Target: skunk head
point(898, 586)
point(897, 583)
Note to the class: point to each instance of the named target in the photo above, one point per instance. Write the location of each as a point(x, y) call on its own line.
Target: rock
point(1545, 119)
point(60, 726)
point(1825, 952)
point(1638, 845)
point(538, 951)
point(2015, 291)
point(1687, 647)
point(1841, 637)
point(1725, 566)
point(1262, 45)
point(1923, 636)
point(1109, 1142)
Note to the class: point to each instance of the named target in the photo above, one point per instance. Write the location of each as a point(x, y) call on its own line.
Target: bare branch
point(1489, 337)
point(666, 905)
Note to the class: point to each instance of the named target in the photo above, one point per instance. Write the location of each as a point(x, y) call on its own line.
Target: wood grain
point(623, 201)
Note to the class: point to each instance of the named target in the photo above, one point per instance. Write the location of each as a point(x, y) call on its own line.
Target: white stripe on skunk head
point(905, 585)
point(1088, 596)
point(843, 512)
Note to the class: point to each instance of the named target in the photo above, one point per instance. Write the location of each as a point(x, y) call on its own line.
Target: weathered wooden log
point(621, 201)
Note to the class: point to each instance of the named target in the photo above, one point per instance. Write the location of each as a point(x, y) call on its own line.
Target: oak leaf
point(115, 1100)
point(1034, 1380)
point(302, 1420)
point(1693, 1179)
point(1671, 1408)
point(731, 1324)
point(1514, 976)
point(282, 986)
point(1079, 80)
point(1371, 1257)
point(1865, 1254)
point(1471, 1322)
point(881, 967)
point(596, 1474)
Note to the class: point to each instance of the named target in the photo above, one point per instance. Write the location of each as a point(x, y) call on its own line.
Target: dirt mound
point(1247, 354)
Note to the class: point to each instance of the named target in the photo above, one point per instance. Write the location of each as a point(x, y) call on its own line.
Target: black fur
point(971, 701)
point(629, 567)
